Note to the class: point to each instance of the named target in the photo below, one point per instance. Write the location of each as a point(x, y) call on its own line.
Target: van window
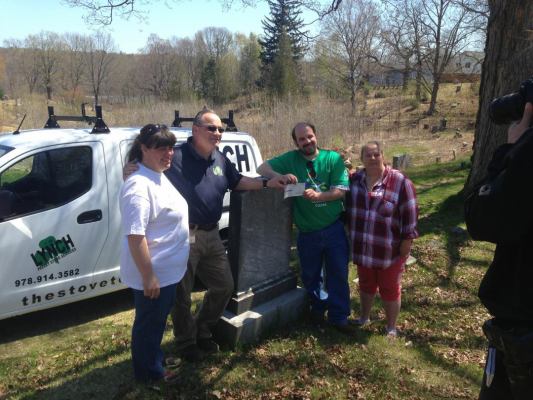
point(45, 180)
point(4, 150)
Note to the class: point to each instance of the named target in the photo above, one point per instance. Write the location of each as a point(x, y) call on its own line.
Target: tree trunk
point(353, 93)
point(508, 61)
point(418, 86)
point(405, 75)
point(434, 93)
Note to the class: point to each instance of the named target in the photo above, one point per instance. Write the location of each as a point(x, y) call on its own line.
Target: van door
point(53, 224)
point(244, 154)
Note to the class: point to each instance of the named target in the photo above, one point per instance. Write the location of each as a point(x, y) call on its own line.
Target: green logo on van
point(51, 250)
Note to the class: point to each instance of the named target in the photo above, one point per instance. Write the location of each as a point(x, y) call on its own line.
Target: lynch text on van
point(52, 250)
point(238, 156)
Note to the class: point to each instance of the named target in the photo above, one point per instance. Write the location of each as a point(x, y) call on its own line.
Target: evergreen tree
point(282, 28)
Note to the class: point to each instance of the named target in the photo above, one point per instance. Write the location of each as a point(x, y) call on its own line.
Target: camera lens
point(506, 109)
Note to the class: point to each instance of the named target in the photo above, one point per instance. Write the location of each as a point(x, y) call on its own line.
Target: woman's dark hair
point(153, 137)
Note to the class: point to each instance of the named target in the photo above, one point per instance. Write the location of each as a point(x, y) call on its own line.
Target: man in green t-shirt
point(321, 236)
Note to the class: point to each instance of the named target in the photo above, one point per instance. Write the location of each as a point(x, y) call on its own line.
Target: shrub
point(379, 95)
point(474, 87)
point(412, 103)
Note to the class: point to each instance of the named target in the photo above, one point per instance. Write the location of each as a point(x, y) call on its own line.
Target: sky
point(166, 18)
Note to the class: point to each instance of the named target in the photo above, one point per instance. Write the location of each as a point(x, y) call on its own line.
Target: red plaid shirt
point(381, 218)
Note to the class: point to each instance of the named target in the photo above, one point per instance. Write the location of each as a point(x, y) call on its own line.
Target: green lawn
point(438, 355)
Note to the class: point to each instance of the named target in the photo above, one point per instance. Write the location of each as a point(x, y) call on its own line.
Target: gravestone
point(401, 161)
point(266, 295)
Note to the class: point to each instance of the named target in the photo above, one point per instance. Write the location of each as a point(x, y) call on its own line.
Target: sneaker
point(208, 345)
point(361, 322)
point(191, 353)
point(391, 332)
point(172, 362)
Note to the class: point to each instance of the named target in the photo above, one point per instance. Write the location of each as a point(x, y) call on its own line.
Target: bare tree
point(448, 30)
point(21, 65)
point(103, 12)
point(217, 83)
point(73, 62)
point(47, 47)
point(402, 40)
point(158, 67)
point(99, 61)
point(217, 42)
point(351, 35)
point(188, 54)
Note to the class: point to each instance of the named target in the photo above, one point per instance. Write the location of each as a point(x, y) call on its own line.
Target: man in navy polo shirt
point(202, 174)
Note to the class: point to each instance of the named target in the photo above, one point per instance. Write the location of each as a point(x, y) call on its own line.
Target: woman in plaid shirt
point(382, 212)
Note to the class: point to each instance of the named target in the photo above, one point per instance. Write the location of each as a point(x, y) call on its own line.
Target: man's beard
point(308, 150)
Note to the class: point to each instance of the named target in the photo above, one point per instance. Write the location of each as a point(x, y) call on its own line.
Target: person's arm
point(409, 215)
point(339, 183)
point(405, 247)
point(139, 251)
point(517, 129)
point(330, 195)
point(267, 171)
point(247, 183)
point(129, 169)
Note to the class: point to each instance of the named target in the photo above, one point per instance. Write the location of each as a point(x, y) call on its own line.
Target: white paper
point(294, 189)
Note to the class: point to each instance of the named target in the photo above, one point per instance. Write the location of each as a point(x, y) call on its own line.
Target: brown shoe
point(348, 328)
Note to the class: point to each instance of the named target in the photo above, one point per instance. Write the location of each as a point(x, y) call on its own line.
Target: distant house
point(387, 77)
point(467, 62)
point(464, 67)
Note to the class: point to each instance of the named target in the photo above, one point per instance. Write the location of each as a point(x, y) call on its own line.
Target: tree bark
point(508, 61)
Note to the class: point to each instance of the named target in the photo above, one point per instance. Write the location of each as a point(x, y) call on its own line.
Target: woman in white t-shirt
point(155, 247)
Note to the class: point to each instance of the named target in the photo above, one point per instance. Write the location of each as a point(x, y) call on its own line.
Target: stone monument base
point(249, 326)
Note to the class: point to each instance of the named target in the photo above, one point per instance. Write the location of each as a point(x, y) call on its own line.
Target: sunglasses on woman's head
point(153, 129)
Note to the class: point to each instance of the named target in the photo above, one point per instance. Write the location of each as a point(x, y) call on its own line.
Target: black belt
point(203, 227)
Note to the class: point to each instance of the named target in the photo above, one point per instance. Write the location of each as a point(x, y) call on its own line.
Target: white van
point(60, 226)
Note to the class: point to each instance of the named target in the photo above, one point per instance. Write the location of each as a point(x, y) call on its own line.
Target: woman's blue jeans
point(147, 333)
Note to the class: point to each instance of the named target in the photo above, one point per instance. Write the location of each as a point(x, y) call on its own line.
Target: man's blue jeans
point(147, 333)
point(331, 246)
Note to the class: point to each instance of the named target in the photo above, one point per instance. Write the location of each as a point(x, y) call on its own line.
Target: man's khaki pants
point(208, 261)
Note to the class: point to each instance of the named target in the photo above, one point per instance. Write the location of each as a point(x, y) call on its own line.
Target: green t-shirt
point(329, 171)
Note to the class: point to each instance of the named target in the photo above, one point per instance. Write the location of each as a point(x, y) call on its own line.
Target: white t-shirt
point(152, 207)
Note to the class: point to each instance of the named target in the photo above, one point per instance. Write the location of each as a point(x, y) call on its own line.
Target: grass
point(82, 350)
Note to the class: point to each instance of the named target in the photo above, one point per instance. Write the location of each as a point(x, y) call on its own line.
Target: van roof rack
point(230, 123)
point(99, 124)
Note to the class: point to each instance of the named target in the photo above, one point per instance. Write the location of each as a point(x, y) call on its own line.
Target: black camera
point(509, 108)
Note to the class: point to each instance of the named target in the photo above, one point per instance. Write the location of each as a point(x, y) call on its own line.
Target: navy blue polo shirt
point(202, 182)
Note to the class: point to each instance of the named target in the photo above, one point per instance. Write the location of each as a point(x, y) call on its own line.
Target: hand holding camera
point(516, 129)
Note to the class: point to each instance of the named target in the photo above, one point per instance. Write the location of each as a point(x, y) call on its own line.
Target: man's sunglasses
point(311, 167)
point(213, 128)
